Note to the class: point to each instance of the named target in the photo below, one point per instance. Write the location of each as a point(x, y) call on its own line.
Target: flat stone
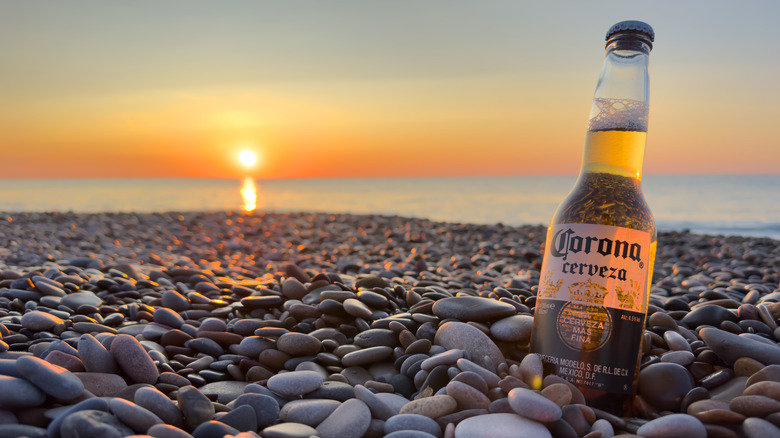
point(357, 309)
point(731, 347)
point(78, 299)
point(138, 418)
point(22, 430)
point(102, 384)
point(38, 321)
point(68, 361)
point(378, 408)
point(213, 429)
point(167, 431)
point(293, 289)
point(223, 392)
point(350, 420)
point(49, 378)
point(241, 418)
point(376, 337)
point(664, 385)
point(96, 358)
point(533, 405)
point(476, 309)
point(133, 359)
point(558, 393)
point(295, 383)
point(500, 426)
point(94, 404)
point(673, 425)
point(766, 388)
point(712, 315)
point(92, 423)
point(432, 407)
point(266, 408)
point(676, 341)
point(516, 328)
point(467, 396)
point(366, 356)
point(289, 430)
point(17, 393)
point(195, 407)
point(168, 317)
point(298, 344)
point(754, 405)
point(462, 336)
point(412, 422)
point(162, 406)
point(308, 412)
point(759, 428)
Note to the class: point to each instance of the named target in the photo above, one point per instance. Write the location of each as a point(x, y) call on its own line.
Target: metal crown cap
point(633, 26)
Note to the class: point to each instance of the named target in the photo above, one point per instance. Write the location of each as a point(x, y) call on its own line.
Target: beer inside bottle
point(597, 269)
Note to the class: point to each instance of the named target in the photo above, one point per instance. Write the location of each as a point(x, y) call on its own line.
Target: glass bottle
point(597, 269)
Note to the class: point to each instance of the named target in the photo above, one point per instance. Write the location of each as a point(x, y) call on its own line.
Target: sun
point(247, 158)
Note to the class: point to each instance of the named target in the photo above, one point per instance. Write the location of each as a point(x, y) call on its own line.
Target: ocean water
point(724, 205)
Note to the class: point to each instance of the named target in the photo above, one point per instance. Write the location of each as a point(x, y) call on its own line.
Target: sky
point(358, 88)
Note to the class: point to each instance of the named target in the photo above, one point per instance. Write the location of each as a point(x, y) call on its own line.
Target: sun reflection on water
point(249, 194)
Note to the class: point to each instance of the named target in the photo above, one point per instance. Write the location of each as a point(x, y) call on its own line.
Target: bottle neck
point(617, 128)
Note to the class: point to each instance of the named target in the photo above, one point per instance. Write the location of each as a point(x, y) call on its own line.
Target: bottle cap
point(638, 28)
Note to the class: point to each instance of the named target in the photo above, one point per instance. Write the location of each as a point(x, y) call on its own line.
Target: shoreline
point(341, 307)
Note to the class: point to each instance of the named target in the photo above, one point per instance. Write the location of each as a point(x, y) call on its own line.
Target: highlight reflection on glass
point(249, 194)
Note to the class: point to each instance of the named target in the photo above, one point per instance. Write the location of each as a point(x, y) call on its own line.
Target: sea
point(747, 205)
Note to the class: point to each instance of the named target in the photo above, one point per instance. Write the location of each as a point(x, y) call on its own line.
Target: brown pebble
point(746, 366)
point(558, 393)
point(765, 388)
point(754, 405)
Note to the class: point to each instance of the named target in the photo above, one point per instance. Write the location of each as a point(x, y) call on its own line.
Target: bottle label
point(592, 302)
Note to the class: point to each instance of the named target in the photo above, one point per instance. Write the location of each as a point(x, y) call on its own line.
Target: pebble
point(516, 328)
point(155, 401)
point(461, 336)
point(412, 422)
point(138, 418)
point(673, 425)
point(19, 393)
point(664, 385)
point(102, 384)
point(266, 408)
point(289, 430)
point(194, 406)
point(431, 407)
point(759, 428)
point(295, 383)
point(96, 358)
point(38, 321)
point(350, 420)
point(731, 347)
point(93, 423)
point(533, 405)
point(49, 378)
point(133, 359)
point(472, 309)
point(309, 412)
point(500, 425)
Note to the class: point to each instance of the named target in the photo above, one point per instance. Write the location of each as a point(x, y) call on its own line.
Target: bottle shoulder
point(607, 199)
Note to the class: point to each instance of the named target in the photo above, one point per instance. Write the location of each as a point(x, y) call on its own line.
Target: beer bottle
point(597, 269)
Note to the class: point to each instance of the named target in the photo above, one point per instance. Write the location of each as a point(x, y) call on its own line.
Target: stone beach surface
point(287, 325)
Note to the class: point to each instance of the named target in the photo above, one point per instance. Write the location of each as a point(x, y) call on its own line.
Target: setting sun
point(247, 158)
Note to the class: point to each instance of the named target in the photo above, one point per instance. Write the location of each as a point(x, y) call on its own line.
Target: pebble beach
point(297, 325)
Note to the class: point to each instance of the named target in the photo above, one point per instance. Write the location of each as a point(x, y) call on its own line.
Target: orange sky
point(362, 89)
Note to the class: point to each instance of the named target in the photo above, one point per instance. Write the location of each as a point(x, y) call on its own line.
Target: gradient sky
point(371, 88)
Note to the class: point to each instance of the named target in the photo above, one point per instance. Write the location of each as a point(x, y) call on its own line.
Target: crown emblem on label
point(588, 292)
point(627, 298)
point(548, 288)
